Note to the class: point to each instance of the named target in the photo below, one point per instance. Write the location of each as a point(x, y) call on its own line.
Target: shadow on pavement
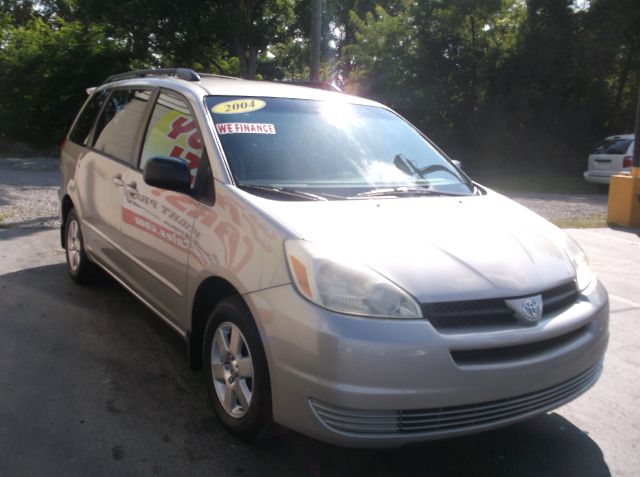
point(626, 229)
point(29, 172)
point(90, 379)
point(547, 445)
point(26, 227)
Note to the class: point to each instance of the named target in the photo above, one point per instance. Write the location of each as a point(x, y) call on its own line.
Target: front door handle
point(131, 189)
point(117, 180)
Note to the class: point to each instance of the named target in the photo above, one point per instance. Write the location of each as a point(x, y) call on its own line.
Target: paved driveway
point(92, 384)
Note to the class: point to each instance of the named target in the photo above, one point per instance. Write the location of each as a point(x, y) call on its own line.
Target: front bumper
point(379, 383)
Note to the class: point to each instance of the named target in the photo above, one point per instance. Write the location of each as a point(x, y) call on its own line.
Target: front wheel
point(236, 371)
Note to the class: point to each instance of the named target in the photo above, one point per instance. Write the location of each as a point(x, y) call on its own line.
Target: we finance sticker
point(246, 128)
point(238, 106)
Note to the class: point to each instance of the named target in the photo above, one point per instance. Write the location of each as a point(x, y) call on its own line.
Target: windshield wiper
point(404, 191)
point(407, 166)
point(282, 191)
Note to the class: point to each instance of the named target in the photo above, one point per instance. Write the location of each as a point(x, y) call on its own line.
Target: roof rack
point(182, 73)
point(211, 75)
point(326, 85)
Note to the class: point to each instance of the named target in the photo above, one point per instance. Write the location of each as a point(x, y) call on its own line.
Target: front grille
point(456, 418)
point(515, 352)
point(491, 313)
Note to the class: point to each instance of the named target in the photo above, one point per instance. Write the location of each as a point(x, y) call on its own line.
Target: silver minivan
point(329, 268)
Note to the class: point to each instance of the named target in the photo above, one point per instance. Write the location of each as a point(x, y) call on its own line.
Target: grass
point(2, 224)
point(581, 222)
point(536, 182)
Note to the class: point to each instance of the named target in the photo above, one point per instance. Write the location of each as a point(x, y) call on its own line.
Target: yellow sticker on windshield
point(238, 106)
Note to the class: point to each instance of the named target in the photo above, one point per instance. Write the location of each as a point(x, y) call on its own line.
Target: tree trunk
point(622, 82)
point(242, 58)
point(252, 63)
point(316, 33)
point(474, 63)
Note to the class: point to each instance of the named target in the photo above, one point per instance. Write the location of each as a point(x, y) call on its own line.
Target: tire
point(80, 268)
point(236, 371)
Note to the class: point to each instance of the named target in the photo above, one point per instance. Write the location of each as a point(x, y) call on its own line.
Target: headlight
point(580, 262)
point(344, 285)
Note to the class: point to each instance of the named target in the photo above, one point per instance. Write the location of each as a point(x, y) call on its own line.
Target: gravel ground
point(565, 207)
point(29, 197)
point(29, 192)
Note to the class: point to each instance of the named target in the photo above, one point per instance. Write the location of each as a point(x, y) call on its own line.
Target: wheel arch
point(208, 295)
point(65, 206)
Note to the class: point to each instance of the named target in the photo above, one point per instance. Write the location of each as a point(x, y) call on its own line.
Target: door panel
point(98, 180)
point(157, 224)
point(101, 174)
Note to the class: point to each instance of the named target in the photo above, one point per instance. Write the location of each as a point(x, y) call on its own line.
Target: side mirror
point(457, 163)
point(168, 173)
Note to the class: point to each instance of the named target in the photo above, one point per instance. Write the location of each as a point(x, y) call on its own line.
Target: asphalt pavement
point(92, 384)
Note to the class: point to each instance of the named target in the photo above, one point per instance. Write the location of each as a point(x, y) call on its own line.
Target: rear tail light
point(627, 161)
point(64, 141)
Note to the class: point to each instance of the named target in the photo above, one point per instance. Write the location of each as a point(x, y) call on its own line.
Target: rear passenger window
point(82, 128)
point(119, 123)
point(173, 131)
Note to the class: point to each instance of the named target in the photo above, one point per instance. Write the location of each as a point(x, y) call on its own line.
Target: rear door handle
point(133, 185)
point(117, 180)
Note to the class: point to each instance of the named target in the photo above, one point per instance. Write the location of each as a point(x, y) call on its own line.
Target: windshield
point(328, 149)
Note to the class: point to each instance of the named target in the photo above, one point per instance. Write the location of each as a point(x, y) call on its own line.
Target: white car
point(613, 155)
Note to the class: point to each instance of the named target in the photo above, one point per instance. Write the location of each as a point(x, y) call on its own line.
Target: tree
point(611, 39)
point(382, 57)
point(248, 27)
point(45, 68)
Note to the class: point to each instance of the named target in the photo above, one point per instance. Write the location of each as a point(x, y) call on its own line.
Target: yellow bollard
point(624, 191)
point(624, 200)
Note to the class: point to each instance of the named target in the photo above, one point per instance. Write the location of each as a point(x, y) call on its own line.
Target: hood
point(439, 248)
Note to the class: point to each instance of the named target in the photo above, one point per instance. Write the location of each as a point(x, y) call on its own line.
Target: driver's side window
point(173, 131)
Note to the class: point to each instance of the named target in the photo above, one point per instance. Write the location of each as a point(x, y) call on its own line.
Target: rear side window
point(173, 131)
point(82, 128)
point(119, 123)
point(613, 146)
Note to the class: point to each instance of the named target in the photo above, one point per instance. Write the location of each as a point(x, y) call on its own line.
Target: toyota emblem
point(531, 309)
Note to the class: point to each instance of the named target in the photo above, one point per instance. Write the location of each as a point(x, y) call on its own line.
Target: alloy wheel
point(74, 246)
point(232, 369)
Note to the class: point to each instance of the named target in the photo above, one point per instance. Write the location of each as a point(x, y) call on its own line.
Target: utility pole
point(316, 30)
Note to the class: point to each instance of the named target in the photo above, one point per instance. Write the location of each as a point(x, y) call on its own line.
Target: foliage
point(247, 27)
point(507, 84)
point(383, 57)
point(504, 83)
point(44, 70)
